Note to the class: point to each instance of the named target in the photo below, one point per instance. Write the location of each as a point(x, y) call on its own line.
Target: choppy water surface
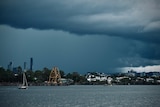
point(81, 96)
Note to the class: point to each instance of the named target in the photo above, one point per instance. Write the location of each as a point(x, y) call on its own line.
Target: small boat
point(107, 84)
point(25, 84)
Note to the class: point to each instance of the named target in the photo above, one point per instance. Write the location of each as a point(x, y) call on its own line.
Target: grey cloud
point(129, 19)
point(134, 19)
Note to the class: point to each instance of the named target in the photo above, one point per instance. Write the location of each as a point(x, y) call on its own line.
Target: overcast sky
point(81, 35)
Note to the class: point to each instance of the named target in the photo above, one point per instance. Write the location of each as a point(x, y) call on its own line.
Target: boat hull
point(22, 87)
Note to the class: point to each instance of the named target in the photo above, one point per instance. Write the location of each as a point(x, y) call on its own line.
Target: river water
point(81, 96)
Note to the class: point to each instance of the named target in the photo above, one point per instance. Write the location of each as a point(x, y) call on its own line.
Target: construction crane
point(55, 77)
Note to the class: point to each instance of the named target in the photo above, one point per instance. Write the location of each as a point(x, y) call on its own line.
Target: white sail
point(25, 84)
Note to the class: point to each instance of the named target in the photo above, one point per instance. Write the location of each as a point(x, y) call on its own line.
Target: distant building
point(143, 74)
point(31, 64)
point(151, 80)
point(25, 64)
point(153, 74)
point(15, 70)
point(109, 80)
point(158, 81)
point(96, 77)
point(131, 73)
point(10, 66)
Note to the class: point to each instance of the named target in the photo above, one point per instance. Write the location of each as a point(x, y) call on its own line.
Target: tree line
point(38, 76)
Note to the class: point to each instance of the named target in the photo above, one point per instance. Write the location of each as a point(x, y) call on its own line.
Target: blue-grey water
point(81, 96)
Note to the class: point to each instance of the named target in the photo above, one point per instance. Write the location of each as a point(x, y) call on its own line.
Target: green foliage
point(6, 75)
point(30, 76)
point(46, 73)
point(76, 77)
point(38, 76)
point(62, 74)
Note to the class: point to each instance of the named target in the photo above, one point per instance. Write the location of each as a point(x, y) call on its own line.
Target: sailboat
point(25, 84)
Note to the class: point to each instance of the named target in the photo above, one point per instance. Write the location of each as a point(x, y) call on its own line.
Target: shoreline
point(45, 84)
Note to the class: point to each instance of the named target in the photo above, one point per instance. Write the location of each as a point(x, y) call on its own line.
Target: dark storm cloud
point(133, 19)
point(150, 52)
point(136, 19)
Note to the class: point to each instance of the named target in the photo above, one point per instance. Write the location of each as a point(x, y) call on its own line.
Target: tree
point(30, 76)
point(9, 76)
point(46, 73)
point(69, 76)
point(75, 76)
point(38, 75)
point(2, 74)
point(62, 74)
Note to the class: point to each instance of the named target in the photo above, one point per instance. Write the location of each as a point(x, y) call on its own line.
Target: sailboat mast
point(24, 73)
point(25, 80)
point(25, 84)
point(24, 76)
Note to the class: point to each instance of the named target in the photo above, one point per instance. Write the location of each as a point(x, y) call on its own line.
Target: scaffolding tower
point(55, 76)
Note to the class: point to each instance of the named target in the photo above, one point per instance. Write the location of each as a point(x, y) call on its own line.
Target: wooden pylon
point(55, 76)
